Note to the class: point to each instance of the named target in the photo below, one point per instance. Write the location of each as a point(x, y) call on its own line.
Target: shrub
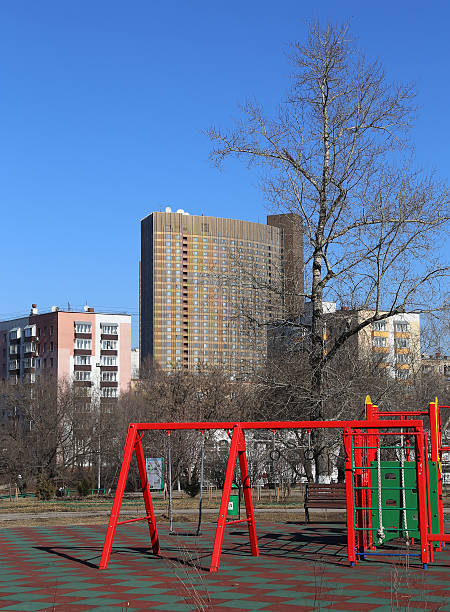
point(45, 490)
point(192, 488)
point(84, 486)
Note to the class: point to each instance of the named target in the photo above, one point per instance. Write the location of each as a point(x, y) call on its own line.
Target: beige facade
point(437, 365)
point(394, 340)
point(208, 285)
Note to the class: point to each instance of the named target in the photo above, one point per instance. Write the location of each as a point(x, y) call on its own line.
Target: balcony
point(109, 336)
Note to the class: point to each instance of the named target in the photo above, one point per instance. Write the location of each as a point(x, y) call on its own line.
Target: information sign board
point(155, 473)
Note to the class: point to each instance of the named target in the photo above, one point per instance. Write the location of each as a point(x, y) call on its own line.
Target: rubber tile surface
point(300, 567)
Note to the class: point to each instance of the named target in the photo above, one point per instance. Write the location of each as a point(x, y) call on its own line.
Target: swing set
point(392, 478)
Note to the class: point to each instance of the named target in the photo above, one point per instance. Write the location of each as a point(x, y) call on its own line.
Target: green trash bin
point(233, 504)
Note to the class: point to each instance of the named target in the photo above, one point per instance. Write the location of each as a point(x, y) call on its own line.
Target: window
point(401, 343)
point(109, 328)
point(106, 360)
point(108, 392)
point(14, 334)
point(28, 363)
point(402, 358)
point(402, 373)
point(401, 326)
point(109, 376)
point(29, 347)
point(29, 331)
point(82, 360)
point(109, 345)
point(83, 328)
point(379, 341)
point(82, 375)
point(379, 326)
point(82, 344)
point(14, 349)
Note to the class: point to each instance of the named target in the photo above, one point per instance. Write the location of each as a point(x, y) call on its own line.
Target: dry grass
point(95, 510)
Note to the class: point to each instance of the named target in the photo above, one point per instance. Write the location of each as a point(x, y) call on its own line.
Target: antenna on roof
point(68, 306)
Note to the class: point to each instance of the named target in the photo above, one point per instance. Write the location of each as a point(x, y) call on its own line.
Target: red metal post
point(128, 452)
point(248, 496)
point(218, 540)
point(147, 496)
point(359, 491)
point(436, 455)
point(427, 481)
point(422, 503)
point(372, 442)
point(349, 496)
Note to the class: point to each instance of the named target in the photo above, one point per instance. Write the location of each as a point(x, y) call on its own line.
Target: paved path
point(26, 516)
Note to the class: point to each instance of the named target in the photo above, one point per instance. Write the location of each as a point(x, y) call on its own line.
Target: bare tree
point(337, 155)
point(47, 428)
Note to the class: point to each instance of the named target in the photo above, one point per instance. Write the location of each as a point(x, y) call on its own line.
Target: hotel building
point(91, 350)
point(209, 286)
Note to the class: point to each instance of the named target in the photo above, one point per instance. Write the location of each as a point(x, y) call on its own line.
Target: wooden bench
point(324, 496)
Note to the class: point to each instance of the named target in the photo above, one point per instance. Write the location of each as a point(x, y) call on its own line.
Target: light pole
point(99, 458)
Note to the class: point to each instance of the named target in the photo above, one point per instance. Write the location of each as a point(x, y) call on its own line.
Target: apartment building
point(437, 365)
point(209, 285)
point(394, 341)
point(91, 350)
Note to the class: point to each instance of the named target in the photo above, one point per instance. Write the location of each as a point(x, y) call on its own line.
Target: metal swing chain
point(200, 502)
point(402, 484)
point(380, 533)
point(169, 456)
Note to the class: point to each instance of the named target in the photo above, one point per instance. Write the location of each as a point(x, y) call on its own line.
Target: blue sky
point(102, 108)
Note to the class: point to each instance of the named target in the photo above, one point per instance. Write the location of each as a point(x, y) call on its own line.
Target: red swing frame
point(133, 443)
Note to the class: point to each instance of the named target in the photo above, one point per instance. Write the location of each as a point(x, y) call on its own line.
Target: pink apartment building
point(88, 349)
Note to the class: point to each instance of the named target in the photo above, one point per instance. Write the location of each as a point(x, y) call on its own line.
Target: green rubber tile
point(229, 595)
point(370, 600)
point(256, 579)
point(121, 608)
point(136, 583)
point(32, 607)
point(427, 597)
point(13, 588)
point(90, 593)
point(166, 599)
point(104, 601)
point(146, 591)
point(242, 604)
point(175, 607)
point(286, 593)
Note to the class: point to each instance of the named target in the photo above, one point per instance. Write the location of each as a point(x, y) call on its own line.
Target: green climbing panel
point(392, 501)
point(433, 480)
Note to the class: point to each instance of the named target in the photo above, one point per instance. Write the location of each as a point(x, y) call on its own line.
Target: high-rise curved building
point(209, 287)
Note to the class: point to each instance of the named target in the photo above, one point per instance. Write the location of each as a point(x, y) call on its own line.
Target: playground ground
point(301, 567)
